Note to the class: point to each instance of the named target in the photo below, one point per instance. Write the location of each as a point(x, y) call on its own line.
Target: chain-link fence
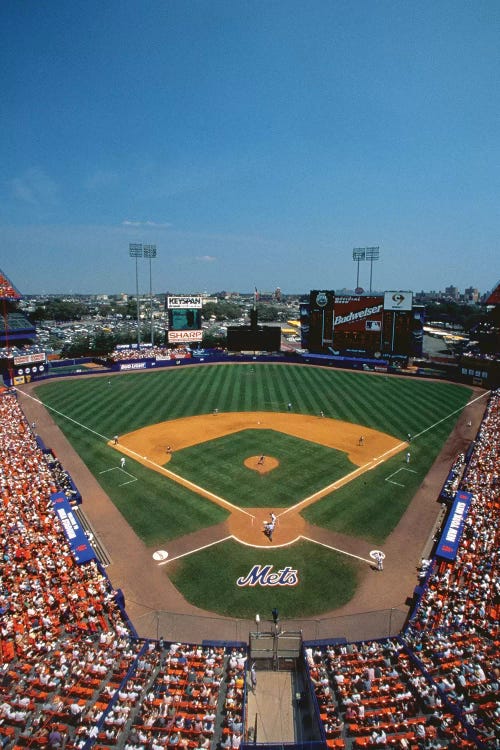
point(187, 628)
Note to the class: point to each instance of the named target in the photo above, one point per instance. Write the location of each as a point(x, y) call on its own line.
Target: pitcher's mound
point(263, 466)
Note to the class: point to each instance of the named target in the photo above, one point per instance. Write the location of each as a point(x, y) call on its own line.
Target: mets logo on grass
point(263, 575)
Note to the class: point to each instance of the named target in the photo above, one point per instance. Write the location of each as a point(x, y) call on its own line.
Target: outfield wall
point(323, 360)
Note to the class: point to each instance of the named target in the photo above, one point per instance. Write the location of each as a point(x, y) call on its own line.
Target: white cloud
point(206, 258)
point(153, 224)
point(35, 188)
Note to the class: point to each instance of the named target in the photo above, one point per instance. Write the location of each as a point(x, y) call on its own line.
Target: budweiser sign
point(357, 315)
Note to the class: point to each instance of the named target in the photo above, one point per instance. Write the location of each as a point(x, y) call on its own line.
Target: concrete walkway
point(272, 706)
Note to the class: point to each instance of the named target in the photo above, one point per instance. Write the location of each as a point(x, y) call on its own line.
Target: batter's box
point(118, 468)
point(403, 468)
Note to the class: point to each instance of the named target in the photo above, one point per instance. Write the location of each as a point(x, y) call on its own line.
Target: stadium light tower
point(372, 253)
point(358, 254)
point(135, 251)
point(150, 252)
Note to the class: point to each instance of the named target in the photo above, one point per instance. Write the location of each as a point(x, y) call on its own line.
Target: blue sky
point(255, 143)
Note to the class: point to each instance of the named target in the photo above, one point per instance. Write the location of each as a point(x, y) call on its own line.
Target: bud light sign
point(263, 575)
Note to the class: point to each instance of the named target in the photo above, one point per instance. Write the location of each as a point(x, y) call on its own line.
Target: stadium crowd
point(73, 673)
point(20, 351)
point(148, 352)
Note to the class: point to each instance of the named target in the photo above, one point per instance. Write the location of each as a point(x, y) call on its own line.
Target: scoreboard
point(184, 319)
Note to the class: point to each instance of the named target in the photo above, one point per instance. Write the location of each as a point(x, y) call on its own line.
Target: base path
point(153, 446)
point(153, 441)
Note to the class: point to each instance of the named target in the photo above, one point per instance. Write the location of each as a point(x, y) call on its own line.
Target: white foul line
point(186, 482)
point(378, 459)
point(165, 472)
point(469, 403)
point(343, 480)
point(61, 414)
point(336, 549)
point(198, 549)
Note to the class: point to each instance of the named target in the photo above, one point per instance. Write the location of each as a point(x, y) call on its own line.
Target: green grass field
point(218, 467)
point(160, 510)
point(323, 574)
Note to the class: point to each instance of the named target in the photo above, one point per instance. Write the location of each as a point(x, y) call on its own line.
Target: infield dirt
point(153, 447)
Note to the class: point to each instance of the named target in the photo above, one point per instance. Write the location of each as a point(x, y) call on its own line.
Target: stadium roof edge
point(8, 291)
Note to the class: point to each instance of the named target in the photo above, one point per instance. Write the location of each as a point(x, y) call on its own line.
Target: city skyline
point(254, 144)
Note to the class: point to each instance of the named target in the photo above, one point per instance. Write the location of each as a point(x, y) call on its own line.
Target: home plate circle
point(160, 554)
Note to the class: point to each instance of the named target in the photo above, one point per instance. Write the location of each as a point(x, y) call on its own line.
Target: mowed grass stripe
point(295, 395)
point(212, 393)
point(301, 384)
point(370, 506)
point(321, 385)
point(266, 391)
point(312, 396)
point(184, 392)
point(278, 388)
point(244, 392)
point(165, 395)
point(347, 403)
point(218, 465)
point(140, 399)
point(236, 398)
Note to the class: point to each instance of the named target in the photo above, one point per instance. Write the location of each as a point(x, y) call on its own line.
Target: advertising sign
point(398, 300)
point(75, 535)
point(187, 300)
point(132, 366)
point(28, 359)
point(452, 533)
point(357, 314)
point(184, 337)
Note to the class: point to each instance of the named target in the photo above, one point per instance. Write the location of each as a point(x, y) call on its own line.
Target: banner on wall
point(452, 532)
point(74, 533)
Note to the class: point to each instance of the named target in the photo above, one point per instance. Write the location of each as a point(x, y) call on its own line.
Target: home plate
point(160, 555)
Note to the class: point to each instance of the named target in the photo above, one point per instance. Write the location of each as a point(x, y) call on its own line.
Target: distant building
point(452, 293)
point(471, 295)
